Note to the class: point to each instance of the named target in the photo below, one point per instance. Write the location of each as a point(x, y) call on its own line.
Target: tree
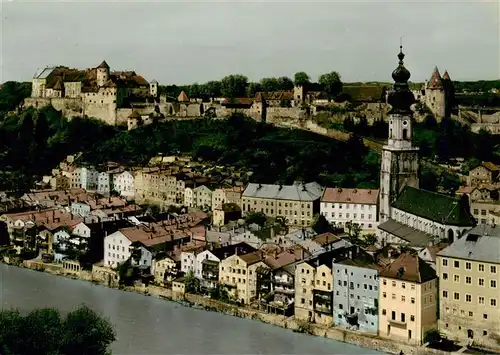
point(432, 336)
point(44, 331)
point(253, 89)
point(354, 232)
point(331, 84)
point(258, 218)
point(301, 78)
point(192, 283)
point(269, 84)
point(321, 225)
point(285, 83)
point(233, 86)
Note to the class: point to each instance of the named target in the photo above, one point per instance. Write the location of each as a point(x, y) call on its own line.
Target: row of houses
point(393, 292)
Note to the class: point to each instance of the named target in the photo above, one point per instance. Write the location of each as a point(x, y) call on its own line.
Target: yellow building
point(239, 273)
point(408, 299)
point(223, 215)
point(297, 203)
point(314, 292)
point(227, 195)
point(164, 270)
point(469, 277)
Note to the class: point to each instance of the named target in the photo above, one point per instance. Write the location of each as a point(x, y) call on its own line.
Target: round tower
point(102, 73)
point(435, 95)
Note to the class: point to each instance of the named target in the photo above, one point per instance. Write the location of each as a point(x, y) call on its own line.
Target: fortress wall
point(102, 111)
point(36, 102)
point(70, 107)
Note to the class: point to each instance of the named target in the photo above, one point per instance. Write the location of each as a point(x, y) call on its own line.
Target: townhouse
point(409, 299)
point(227, 195)
point(244, 275)
point(359, 206)
point(314, 286)
point(296, 203)
point(356, 293)
point(469, 274)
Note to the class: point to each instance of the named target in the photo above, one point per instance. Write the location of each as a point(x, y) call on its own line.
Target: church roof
point(446, 76)
point(436, 82)
point(435, 207)
point(365, 93)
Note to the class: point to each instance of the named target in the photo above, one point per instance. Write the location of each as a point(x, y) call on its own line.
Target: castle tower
point(153, 88)
point(400, 159)
point(435, 95)
point(102, 73)
point(449, 94)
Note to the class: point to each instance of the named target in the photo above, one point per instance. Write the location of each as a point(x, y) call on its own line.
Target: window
point(456, 278)
point(456, 296)
point(384, 282)
point(403, 298)
point(468, 280)
point(468, 298)
point(384, 295)
point(468, 266)
point(445, 276)
point(403, 317)
point(481, 267)
point(445, 262)
point(493, 269)
point(480, 300)
point(471, 314)
point(393, 296)
point(493, 302)
point(403, 285)
point(445, 295)
point(493, 283)
point(393, 315)
point(456, 264)
point(485, 316)
point(384, 312)
point(480, 282)
point(393, 283)
point(412, 318)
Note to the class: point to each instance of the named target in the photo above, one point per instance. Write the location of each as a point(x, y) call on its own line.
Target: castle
point(437, 94)
point(94, 92)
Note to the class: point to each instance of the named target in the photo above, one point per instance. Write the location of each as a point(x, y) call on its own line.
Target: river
point(148, 325)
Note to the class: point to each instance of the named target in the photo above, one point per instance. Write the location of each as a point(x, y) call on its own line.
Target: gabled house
point(409, 299)
point(244, 276)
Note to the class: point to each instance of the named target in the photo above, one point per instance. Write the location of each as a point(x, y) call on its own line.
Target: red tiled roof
point(436, 82)
point(410, 268)
point(354, 196)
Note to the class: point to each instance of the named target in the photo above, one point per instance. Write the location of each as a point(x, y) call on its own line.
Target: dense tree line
point(44, 331)
point(12, 94)
point(238, 85)
point(479, 86)
point(33, 143)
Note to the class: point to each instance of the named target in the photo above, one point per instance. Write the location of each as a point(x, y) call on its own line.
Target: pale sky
point(181, 42)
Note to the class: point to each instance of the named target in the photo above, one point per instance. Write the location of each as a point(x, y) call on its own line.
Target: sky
point(182, 42)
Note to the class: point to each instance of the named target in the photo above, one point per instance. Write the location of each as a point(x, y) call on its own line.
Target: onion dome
point(400, 97)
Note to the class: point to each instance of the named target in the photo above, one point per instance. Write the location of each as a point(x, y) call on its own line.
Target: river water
point(148, 325)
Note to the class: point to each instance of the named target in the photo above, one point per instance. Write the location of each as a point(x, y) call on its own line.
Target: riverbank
point(204, 303)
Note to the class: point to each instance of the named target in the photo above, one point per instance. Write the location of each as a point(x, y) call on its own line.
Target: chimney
point(53, 215)
point(225, 255)
point(236, 251)
point(302, 254)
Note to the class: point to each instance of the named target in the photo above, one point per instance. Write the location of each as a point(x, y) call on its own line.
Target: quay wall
point(198, 301)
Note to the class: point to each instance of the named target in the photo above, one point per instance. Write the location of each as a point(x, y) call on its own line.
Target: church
point(409, 215)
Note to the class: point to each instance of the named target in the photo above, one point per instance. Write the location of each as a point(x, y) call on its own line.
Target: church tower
point(400, 159)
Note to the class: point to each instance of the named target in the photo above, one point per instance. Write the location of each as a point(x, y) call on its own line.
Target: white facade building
point(104, 183)
point(192, 261)
point(89, 178)
point(124, 184)
point(116, 249)
point(358, 206)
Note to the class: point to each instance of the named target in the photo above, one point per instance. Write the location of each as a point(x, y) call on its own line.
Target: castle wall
point(102, 111)
point(435, 100)
point(69, 107)
point(36, 102)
